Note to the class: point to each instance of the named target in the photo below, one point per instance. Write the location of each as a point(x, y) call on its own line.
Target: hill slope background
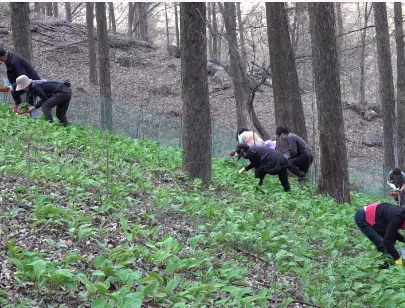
point(147, 96)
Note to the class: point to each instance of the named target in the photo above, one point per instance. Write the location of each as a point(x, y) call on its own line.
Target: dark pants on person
point(282, 176)
point(60, 100)
point(300, 164)
point(367, 230)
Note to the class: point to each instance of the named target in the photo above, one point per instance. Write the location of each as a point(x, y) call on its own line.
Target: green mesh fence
point(144, 123)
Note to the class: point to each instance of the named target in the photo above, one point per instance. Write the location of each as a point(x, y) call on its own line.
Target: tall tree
point(214, 31)
point(49, 9)
point(229, 15)
point(286, 91)
point(20, 28)
point(91, 42)
point(104, 67)
point(167, 29)
point(399, 37)
point(176, 19)
point(241, 37)
point(68, 10)
point(143, 25)
point(367, 12)
point(111, 17)
point(209, 33)
point(334, 177)
point(131, 13)
point(55, 9)
point(386, 84)
point(197, 142)
point(37, 7)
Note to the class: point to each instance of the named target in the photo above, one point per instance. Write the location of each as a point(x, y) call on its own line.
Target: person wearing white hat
point(50, 93)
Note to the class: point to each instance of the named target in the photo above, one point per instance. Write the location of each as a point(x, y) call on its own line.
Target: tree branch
point(364, 28)
point(147, 13)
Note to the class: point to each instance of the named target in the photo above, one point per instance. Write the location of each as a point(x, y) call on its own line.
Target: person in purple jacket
point(298, 154)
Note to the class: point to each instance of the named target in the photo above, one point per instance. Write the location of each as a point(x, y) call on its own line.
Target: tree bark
point(367, 13)
point(91, 42)
point(104, 67)
point(286, 91)
point(55, 9)
point(131, 13)
point(197, 144)
point(167, 29)
point(214, 31)
point(176, 18)
point(143, 25)
point(48, 9)
point(111, 17)
point(242, 38)
point(42, 6)
point(20, 28)
point(229, 15)
point(399, 37)
point(334, 177)
point(68, 10)
point(386, 84)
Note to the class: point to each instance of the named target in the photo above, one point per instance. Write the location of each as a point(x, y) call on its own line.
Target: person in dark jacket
point(51, 94)
point(16, 66)
point(380, 222)
point(299, 154)
point(265, 161)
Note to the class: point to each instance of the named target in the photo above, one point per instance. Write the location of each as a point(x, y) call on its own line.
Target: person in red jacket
point(380, 222)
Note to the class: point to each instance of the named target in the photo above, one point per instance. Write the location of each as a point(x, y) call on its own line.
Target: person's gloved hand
point(30, 108)
point(398, 262)
point(242, 170)
point(11, 88)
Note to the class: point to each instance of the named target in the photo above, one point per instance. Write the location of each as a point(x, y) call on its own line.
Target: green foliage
point(303, 236)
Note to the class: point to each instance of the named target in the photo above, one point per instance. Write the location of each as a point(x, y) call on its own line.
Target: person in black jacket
point(265, 161)
point(16, 66)
point(380, 222)
point(51, 94)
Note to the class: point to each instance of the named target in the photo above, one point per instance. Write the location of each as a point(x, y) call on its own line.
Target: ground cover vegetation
point(90, 219)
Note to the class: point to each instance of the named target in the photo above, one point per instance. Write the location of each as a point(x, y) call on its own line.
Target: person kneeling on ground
point(51, 94)
point(299, 154)
point(249, 137)
point(380, 222)
point(265, 161)
point(397, 178)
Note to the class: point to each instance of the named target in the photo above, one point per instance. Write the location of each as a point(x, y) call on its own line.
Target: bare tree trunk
point(386, 81)
point(55, 9)
point(104, 67)
point(229, 15)
point(20, 29)
point(209, 33)
point(220, 41)
point(37, 7)
point(111, 17)
point(68, 10)
point(49, 8)
point(197, 143)
point(367, 13)
point(242, 37)
point(287, 97)
point(339, 20)
point(334, 177)
point(214, 31)
point(131, 13)
point(137, 18)
point(143, 26)
point(399, 37)
point(176, 18)
point(167, 29)
point(43, 9)
point(91, 42)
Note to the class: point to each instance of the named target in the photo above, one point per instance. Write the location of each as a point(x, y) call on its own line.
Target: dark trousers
point(367, 230)
point(61, 101)
point(283, 177)
point(300, 164)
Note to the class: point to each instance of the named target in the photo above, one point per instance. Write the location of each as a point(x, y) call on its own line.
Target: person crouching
point(265, 161)
point(50, 93)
